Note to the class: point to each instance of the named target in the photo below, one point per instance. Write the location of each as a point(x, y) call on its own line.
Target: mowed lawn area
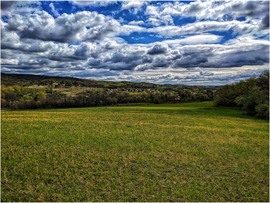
point(175, 152)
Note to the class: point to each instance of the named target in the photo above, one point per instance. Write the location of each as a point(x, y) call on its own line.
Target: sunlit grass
point(183, 152)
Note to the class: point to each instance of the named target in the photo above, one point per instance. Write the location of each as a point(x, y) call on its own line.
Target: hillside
point(21, 91)
point(28, 80)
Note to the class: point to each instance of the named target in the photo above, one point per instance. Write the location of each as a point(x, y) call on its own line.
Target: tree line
point(251, 95)
point(24, 97)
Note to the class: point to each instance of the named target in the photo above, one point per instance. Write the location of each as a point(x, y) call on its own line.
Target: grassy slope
point(185, 152)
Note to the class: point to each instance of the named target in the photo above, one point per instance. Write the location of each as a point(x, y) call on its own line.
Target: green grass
point(181, 152)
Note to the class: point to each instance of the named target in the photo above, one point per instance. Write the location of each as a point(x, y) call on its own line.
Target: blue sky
point(175, 42)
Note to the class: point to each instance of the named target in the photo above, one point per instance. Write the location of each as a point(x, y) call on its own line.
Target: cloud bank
point(197, 43)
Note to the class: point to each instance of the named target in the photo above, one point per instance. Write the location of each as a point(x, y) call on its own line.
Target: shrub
point(262, 111)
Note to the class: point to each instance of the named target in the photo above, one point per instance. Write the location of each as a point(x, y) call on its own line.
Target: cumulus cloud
point(132, 4)
point(215, 10)
point(159, 48)
point(203, 27)
point(128, 29)
point(211, 16)
point(232, 54)
point(81, 26)
point(90, 44)
point(156, 18)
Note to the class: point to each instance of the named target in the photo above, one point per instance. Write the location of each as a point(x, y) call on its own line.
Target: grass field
point(183, 152)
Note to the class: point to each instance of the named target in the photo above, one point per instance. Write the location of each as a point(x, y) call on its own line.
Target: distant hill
point(21, 91)
point(28, 80)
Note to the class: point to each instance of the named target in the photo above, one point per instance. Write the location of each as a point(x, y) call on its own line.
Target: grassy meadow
point(172, 152)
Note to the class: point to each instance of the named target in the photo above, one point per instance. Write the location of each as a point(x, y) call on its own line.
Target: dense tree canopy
point(251, 95)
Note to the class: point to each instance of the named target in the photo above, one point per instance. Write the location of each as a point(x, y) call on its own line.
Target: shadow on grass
point(196, 109)
point(200, 112)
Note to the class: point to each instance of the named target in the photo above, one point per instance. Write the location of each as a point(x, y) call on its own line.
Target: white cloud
point(81, 26)
point(88, 44)
point(196, 39)
point(132, 4)
point(255, 16)
point(128, 29)
point(156, 18)
point(203, 27)
point(19, 7)
point(140, 22)
point(215, 10)
point(84, 3)
point(54, 11)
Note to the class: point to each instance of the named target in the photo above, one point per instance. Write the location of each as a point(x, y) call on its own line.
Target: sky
point(162, 42)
